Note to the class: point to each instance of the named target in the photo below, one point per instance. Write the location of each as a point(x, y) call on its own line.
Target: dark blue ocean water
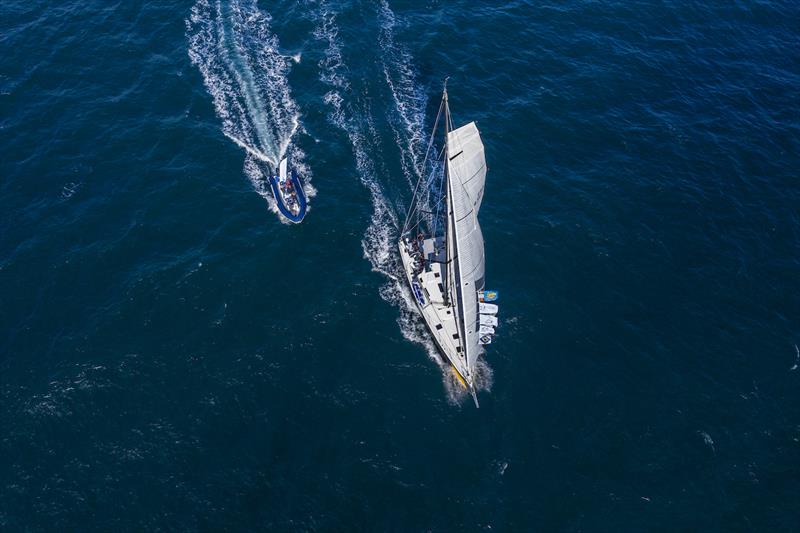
point(174, 357)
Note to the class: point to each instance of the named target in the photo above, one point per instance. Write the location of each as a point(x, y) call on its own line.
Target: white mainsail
point(466, 176)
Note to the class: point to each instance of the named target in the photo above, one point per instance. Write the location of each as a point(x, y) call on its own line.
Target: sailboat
point(441, 247)
point(289, 194)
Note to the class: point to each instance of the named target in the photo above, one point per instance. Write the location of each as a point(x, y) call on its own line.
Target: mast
point(448, 208)
point(451, 239)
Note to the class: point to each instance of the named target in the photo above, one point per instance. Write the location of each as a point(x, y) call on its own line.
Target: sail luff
point(453, 267)
point(466, 177)
point(455, 271)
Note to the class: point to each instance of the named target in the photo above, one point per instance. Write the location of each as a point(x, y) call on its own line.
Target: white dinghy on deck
point(445, 268)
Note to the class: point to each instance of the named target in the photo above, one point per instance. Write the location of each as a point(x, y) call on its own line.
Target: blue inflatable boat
point(288, 191)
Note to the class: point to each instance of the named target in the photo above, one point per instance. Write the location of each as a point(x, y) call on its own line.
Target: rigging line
point(417, 200)
point(422, 172)
point(428, 193)
point(438, 204)
point(431, 176)
point(421, 211)
point(428, 150)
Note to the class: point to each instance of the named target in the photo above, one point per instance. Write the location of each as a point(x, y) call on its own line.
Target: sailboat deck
point(429, 281)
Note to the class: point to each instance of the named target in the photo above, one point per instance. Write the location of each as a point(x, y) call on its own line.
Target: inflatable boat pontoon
point(289, 194)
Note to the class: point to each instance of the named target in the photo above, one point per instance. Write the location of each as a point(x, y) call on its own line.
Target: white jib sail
point(466, 176)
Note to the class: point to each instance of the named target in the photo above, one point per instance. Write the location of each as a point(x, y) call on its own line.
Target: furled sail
point(466, 176)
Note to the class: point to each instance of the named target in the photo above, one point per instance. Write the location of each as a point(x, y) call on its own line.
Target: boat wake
point(407, 120)
point(231, 43)
point(409, 98)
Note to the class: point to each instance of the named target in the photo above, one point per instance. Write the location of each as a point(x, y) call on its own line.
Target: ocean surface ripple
point(172, 357)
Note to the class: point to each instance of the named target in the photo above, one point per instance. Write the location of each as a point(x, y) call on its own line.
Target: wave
point(239, 58)
point(354, 116)
point(409, 98)
point(356, 123)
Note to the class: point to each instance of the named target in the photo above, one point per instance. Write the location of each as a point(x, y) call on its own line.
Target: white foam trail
point(249, 149)
point(407, 121)
point(381, 235)
point(409, 98)
point(232, 45)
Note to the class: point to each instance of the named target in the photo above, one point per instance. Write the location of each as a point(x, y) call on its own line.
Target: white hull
point(440, 318)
